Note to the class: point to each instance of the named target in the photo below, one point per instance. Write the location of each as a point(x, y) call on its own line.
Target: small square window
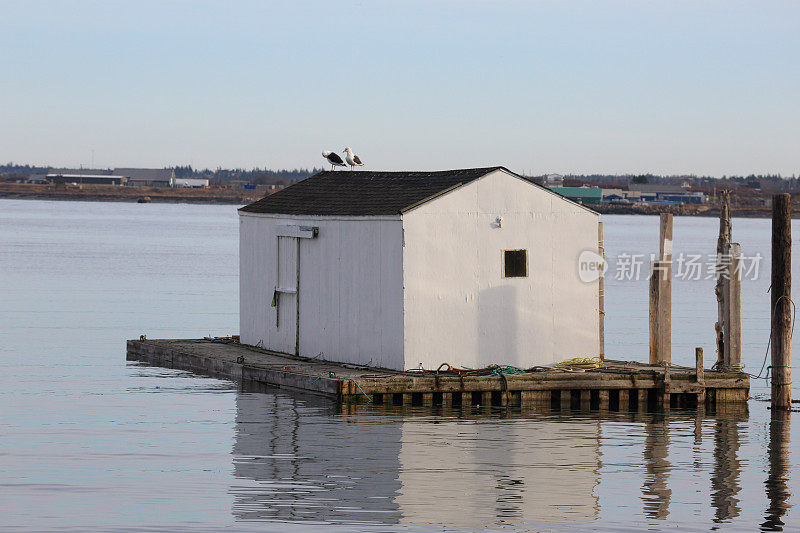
point(515, 263)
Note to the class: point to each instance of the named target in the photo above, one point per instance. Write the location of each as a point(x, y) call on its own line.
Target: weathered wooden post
point(661, 296)
point(602, 297)
point(700, 377)
point(732, 316)
point(653, 314)
point(720, 289)
point(781, 294)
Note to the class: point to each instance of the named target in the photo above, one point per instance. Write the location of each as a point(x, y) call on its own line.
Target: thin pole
point(781, 301)
point(664, 310)
point(601, 298)
point(655, 356)
point(297, 301)
point(720, 289)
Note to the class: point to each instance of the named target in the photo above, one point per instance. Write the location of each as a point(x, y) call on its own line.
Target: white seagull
point(333, 158)
point(352, 160)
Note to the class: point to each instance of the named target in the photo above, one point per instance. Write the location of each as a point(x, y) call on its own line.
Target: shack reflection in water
point(476, 472)
point(308, 464)
point(298, 458)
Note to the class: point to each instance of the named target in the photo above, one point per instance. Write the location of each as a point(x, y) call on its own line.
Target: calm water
point(88, 441)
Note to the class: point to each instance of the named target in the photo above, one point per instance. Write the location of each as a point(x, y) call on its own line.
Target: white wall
point(458, 307)
point(351, 294)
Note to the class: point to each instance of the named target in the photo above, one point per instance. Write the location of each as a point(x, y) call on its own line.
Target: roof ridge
point(369, 192)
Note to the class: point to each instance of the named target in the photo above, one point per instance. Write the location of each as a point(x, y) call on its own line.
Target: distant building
point(621, 196)
point(582, 195)
point(148, 177)
point(652, 192)
point(194, 183)
point(554, 180)
point(85, 176)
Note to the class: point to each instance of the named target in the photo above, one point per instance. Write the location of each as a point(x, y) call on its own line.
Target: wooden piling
point(624, 400)
point(601, 290)
point(653, 314)
point(566, 399)
point(723, 240)
point(661, 296)
point(486, 399)
point(781, 301)
point(604, 398)
point(698, 366)
point(699, 376)
point(732, 309)
point(447, 400)
point(641, 399)
point(586, 400)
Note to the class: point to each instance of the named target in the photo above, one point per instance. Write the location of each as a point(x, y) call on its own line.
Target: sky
point(679, 87)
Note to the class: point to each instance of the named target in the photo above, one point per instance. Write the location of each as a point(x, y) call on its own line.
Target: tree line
point(219, 176)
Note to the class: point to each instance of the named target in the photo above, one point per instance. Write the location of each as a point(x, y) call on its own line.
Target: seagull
point(333, 158)
point(352, 160)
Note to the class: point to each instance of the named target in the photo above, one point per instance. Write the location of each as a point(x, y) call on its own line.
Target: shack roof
point(366, 193)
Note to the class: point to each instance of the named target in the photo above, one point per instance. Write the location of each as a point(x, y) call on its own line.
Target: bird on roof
point(352, 159)
point(333, 158)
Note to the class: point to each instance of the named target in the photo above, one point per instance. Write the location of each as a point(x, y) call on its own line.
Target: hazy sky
point(616, 87)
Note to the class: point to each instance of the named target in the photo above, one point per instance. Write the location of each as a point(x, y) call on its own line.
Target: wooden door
point(286, 297)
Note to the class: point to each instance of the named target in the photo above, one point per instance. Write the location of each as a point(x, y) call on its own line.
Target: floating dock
point(613, 385)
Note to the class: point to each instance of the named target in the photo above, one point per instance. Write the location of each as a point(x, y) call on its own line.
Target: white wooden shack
point(401, 269)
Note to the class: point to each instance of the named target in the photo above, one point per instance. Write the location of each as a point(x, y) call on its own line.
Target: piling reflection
point(725, 484)
point(656, 492)
point(777, 483)
point(726, 470)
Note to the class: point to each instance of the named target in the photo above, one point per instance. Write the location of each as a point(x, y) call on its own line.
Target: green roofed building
point(584, 195)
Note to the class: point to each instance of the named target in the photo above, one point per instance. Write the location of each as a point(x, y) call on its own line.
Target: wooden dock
point(614, 385)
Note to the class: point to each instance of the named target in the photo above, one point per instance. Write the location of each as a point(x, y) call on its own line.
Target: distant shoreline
point(687, 210)
point(115, 193)
point(162, 195)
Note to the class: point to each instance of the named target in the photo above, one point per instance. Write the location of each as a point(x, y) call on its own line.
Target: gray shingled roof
point(365, 193)
point(362, 192)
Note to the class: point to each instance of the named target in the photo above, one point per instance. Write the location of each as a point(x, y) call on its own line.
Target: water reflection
point(777, 485)
point(298, 458)
point(474, 472)
point(725, 485)
point(303, 463)
point(656, 492)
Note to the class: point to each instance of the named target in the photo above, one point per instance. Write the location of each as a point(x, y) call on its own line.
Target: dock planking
point(615, 385)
